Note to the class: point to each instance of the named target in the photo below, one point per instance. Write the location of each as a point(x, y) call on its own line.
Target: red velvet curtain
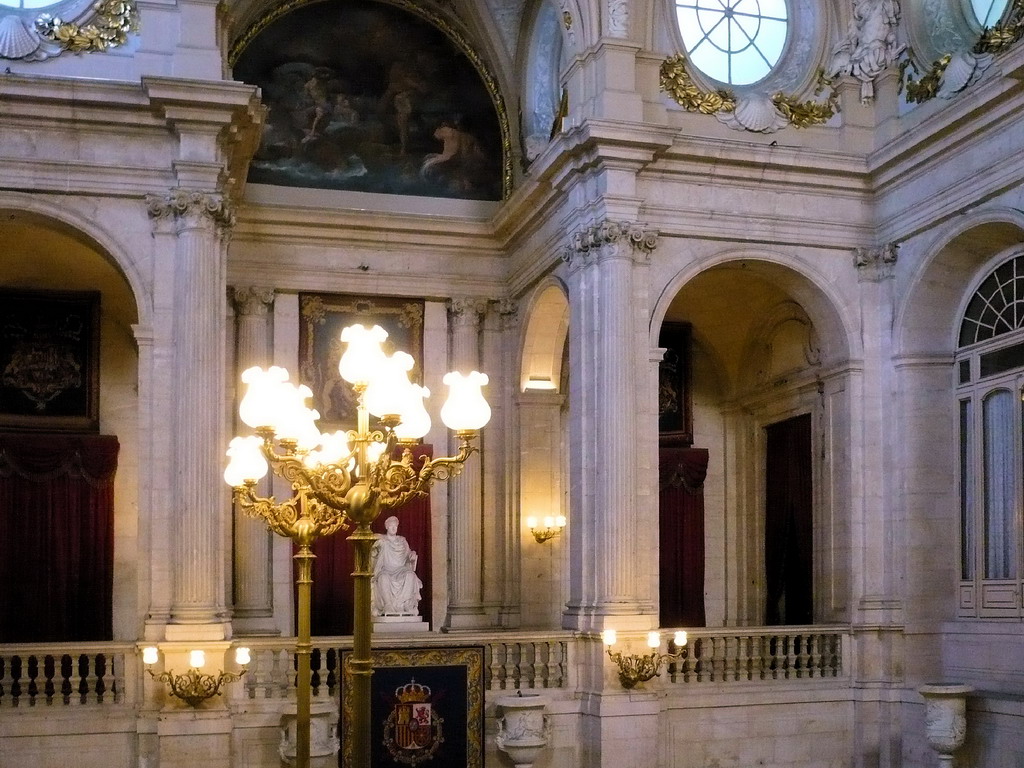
point(56, 537)
point(788, 531)
point(681, 527)
point(332, 602)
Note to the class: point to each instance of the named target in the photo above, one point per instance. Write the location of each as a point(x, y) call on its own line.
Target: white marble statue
point(395, 586)
point(870, 46)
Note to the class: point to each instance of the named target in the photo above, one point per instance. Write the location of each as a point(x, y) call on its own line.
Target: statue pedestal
point(387, 625)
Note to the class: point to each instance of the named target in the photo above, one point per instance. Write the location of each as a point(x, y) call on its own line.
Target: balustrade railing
point(525, 661)
point(762, 653)
point(69, 674)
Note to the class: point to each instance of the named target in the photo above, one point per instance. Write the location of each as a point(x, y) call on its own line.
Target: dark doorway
point(788, 523)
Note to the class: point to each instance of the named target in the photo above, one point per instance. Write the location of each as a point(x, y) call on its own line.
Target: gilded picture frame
point(49, 360)
point(427, 707)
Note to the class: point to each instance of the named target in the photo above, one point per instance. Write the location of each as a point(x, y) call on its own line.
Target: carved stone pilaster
point(875, 264)
point(508, 311)
point(467, 309)
point(193, 206)
point(610, 238)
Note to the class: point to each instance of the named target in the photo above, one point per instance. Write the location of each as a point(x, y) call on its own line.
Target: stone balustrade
point(69, 674)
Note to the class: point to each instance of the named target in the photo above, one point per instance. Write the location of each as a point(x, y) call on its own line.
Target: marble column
point(465, 492)
point(253, 573)
point(607, 367)
point(509, 543)
point(201, 221)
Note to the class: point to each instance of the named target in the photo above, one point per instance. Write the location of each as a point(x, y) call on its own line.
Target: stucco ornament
point(961, 68)
point(871, 44)
point(19, 39)
point(618, 18)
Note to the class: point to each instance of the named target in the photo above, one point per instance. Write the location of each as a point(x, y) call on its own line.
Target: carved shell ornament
point(750, 111)
point(107, 24)
point(959, 70)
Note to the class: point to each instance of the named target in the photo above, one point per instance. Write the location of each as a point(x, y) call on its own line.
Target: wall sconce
point(195, 687)
point(634, 668)
point(552, 527)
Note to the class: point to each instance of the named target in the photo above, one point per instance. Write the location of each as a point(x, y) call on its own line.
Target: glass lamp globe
point(387, 391)
point(415, 419)
point(363, 355)
point(466, 410)
point(259, 406)
point(247, 461)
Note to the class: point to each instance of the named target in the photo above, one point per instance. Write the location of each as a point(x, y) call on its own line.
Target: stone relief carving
point(874, 264)
point(182, 203)
point(871, 44)
point(106, 24)
point(618, 18)
point(467, 307)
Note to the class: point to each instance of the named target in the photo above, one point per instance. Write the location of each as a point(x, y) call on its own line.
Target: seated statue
point(395, 586)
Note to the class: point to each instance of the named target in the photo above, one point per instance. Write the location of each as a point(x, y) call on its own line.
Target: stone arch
point(544, 338)
point(927, 321)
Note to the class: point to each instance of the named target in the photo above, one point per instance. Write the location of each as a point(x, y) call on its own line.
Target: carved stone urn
point(323, 738)
point(523, 728)
point(945, 718)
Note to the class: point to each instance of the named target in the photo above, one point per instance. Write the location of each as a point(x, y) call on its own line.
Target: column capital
point(191, 207)
point(608, 239)
point(875, 264)
point(467, 308)
point(252, 300)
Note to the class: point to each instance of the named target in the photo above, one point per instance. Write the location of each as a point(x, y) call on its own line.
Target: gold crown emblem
point(412, 692)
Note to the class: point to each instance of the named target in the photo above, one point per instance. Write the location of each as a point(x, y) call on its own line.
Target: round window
point(988, 12)
point(734, 41)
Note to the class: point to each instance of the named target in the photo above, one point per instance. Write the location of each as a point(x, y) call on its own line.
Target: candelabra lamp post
point(344, 479)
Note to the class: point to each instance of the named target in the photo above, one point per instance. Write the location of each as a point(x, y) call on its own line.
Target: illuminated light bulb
point(150, 655)
point(679, 639)
point(560, 521)
point(333, 449)
point(247, 461)
point(608, 637)
point(196, 659)
point(259, 407)
point(387, 392)
point(415, 419)
point(363, 355)
point(531, 523)
point(466, 410)
point(374, 451)
point(242, 656)
point(294, 420)
point(549, 522)
point(653, 640)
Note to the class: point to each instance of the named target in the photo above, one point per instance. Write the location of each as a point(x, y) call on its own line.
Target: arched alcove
point(767, 362)
point(45, 257)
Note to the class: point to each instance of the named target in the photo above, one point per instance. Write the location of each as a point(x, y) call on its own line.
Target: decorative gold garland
point(490, 81)
point(677, 83)
point(993, 40)
point(109, 28)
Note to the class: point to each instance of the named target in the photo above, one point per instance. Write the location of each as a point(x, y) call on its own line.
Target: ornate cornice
point(608, 236)
point(875, 264)
point(252, 300)
point(184, 203)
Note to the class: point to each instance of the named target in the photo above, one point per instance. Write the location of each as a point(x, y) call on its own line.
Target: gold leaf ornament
point(108, 28)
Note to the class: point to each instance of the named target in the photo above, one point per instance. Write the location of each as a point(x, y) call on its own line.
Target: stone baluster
point(253, 574)
point(200, 222)
point(465, 573)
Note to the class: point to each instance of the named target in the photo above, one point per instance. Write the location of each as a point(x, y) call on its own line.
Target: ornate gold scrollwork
point(109, 28)
point(677, 83)
point(1002, 36)
point(920, 90)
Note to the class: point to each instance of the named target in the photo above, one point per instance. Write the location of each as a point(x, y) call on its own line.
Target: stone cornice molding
point(467, 309)
point(192, 207)
point(609, 239)
point(252, 300)
point(875, 264)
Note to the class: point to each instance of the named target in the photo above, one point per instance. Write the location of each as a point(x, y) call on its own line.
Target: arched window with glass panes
point(990, 395)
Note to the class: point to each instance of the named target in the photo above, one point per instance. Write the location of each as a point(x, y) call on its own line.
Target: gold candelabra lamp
point(553, 526)
point(194, 687)
point(345, 479)
point(639, 668)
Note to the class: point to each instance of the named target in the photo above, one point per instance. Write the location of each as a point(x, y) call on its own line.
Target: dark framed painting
point(49, 360)
point(322, 316)
point(675, 398)
point(373, 97)
point(426, 708)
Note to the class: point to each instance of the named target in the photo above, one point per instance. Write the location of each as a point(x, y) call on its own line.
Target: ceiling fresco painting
point(367, 97)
